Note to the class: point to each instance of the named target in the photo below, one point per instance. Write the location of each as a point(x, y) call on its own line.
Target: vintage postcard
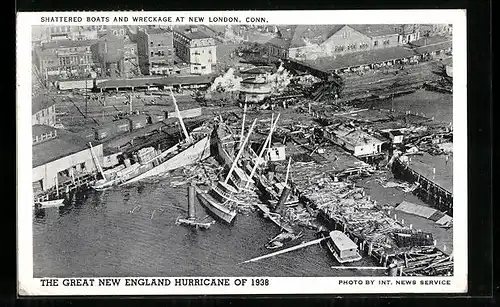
point(242, 152)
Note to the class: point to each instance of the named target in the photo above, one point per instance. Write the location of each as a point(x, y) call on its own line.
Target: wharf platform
point(342, 206)
point(67, 188)
point(430, 189)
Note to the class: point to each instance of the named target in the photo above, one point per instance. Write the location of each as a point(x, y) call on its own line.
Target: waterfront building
point(357, 142)
point(156, 51)
point(196, 47)
point(60, 156)
point(312, 41)
point(43, 110)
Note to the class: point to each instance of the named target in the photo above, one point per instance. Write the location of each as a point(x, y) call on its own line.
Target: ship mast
point(264, 146)
point(242, 136)
point(288, 171)
point(186, 134)
point(96, 161)
point(240, 151)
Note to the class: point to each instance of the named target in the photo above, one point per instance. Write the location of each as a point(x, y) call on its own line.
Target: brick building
point(312, 41)
point(156, 51)
point(65, 59)
point(196, 47)
point(108, 52)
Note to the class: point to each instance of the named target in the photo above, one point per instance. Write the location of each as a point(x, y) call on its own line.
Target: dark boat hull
point(216, 209)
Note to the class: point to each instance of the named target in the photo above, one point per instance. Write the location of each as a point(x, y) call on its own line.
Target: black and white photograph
point(194, 154)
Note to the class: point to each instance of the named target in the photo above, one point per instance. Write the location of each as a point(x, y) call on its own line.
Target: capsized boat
point(149, 162)
point(282, 238)
point(49, 204)
point(220, 201)
point(342, 248)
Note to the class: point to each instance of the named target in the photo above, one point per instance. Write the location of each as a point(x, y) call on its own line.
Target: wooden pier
point(429, 189)
point(67, 188)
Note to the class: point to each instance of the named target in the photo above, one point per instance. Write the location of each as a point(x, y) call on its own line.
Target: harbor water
point(107, 234)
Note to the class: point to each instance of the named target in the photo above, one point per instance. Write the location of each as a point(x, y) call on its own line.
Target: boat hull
point(194, 153)
point(216, 209)
point(50, 204)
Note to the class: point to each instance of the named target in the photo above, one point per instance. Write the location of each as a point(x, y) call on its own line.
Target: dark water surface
point(98, 236)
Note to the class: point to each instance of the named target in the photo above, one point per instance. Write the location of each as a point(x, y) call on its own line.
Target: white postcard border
point(27, 285)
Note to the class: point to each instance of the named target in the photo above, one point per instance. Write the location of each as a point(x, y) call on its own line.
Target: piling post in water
point(191, 207)
point(283, 198)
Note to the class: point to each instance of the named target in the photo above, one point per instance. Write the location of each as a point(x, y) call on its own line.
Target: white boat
point(151, 163)
point(342, 248)
point(49, 204)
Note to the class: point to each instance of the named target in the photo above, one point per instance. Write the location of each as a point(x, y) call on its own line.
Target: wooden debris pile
point(346, 207)
point(424, 261)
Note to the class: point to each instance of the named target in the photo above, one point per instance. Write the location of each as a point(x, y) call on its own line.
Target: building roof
point(280, 42)
point(430, 44)
point(342, 241)
point(259, 70)
point(66, 143)
point(156, 30)
point(359, 137)
point(68, 44)
point(192, 32)
point(425, 41)
point(375, 30)
point(41, 102)
point(301, 35)
point(171, 80)
point(396, 132)
point(312, 34)
point(359, 58)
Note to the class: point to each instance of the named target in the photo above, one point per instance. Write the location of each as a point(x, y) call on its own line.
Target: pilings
point(67, 189)
point(431, 191)
point(191, 204)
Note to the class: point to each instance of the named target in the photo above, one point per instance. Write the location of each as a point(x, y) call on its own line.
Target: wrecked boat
point(149, 162)
point(282, 238)
point(220, 201)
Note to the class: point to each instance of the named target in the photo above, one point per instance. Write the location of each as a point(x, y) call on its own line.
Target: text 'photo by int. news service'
point(243, 152)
